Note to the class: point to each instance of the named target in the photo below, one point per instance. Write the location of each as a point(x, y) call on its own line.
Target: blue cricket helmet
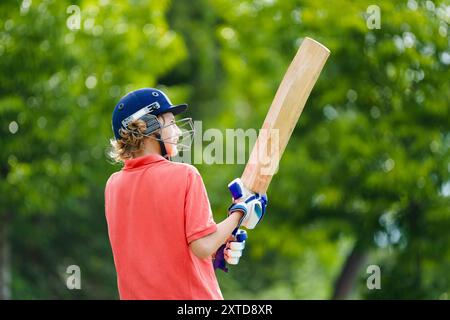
point(139, 103)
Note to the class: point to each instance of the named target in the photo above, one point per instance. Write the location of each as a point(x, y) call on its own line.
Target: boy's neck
point(150, 146)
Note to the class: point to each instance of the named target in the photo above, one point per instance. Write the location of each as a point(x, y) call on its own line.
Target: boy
point(162, 232)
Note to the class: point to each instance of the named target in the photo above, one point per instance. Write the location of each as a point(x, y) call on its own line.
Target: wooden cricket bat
point(283, 115)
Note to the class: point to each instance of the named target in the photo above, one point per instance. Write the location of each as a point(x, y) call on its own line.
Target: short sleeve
point(199, 221)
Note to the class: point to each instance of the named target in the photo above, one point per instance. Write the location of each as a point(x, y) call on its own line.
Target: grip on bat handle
point(219, 261)
point(241, 236)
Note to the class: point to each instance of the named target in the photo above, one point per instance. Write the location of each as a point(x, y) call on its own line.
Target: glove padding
point(234, 247)
point(253, 207)
point(231, 251)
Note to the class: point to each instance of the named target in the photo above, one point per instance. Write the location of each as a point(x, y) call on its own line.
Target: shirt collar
point(142, 161)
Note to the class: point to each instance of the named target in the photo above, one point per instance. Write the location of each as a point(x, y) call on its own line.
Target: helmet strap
point(162, 146)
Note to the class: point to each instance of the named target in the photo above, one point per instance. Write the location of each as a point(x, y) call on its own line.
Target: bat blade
point(282, 117)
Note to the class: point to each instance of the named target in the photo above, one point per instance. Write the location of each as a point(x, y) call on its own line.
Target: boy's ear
point(161, 119)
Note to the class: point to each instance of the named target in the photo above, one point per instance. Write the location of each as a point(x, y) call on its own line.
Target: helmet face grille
point(184, 137)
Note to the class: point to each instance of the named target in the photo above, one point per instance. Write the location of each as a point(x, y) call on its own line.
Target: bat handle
point(219, 260)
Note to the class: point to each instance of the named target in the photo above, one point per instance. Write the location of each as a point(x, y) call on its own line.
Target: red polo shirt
point(154, 209)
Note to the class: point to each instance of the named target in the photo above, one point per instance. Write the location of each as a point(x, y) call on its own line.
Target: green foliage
point(368, 163)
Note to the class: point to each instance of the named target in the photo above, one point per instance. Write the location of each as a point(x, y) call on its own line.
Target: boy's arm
point(206, 246)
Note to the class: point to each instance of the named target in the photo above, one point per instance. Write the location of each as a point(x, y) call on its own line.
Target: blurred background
point(365, 179)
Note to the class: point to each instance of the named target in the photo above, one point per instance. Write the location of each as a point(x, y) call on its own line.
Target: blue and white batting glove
point(233, 249)
point(252, 205)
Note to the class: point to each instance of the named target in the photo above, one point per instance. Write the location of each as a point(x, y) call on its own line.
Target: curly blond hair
point(131, 141)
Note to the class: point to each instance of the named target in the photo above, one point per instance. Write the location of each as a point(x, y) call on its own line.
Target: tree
point(364, 179)
point(58, 89)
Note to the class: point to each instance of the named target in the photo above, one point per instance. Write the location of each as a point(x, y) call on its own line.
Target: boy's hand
point(234, 247)
point(253, 208)
point(252, 205)
point(231, 251)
